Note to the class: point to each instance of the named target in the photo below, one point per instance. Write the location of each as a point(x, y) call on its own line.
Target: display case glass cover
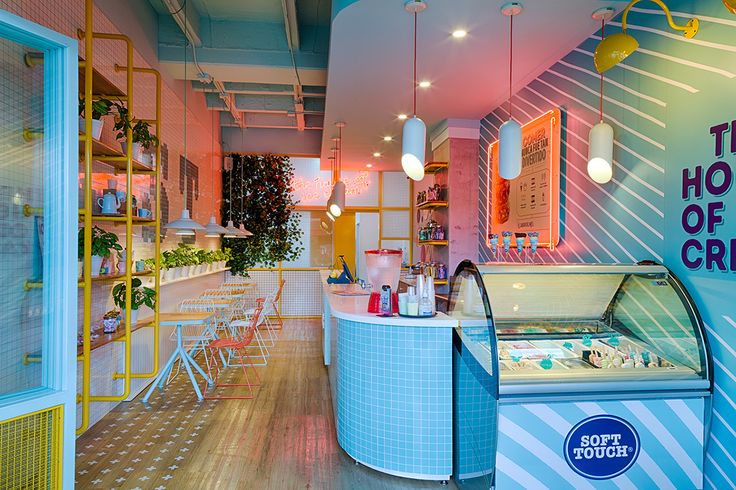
point(547, 328)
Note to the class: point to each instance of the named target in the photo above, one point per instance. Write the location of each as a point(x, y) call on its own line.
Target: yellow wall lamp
point(617, 47)
point(730, 5)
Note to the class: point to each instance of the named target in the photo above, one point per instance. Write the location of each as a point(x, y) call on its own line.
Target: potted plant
point(102, 243)
point(141, 134)
point(110, 321)
point(140, 295)
point(100, 107)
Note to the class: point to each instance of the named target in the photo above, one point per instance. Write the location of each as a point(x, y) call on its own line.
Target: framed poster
point(531, 202)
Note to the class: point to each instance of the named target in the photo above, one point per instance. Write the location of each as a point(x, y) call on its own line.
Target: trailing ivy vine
point(262, 200)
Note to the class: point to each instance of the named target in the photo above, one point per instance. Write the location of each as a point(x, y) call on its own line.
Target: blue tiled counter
point(391, 381)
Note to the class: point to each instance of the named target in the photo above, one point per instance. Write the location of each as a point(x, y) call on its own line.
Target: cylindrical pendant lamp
point(338, 199)
point(600, 153)
point(509, 150)
point(509, 134)
point(413, 145)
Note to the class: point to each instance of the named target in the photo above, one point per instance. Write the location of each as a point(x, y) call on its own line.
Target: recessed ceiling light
point(388, 138)
point(459, 33)
point(376, 154)
point(402, 116)
point(425, 84)
point(369, 165)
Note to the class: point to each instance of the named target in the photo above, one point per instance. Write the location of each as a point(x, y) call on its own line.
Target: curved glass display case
point(581, 328)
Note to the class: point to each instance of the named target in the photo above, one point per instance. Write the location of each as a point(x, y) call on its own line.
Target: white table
point(180, 320)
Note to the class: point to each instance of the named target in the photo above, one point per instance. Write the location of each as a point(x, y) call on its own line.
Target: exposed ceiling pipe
point(178, 12)
point(186, 24)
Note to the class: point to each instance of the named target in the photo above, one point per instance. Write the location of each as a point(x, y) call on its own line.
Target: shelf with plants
point(102, 152)
point(434, 167)
point(107, 338)
point(99, 98)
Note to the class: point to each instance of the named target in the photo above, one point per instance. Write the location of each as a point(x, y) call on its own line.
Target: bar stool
point(238, 343)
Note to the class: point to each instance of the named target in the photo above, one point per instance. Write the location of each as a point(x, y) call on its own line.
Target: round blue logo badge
point(602, 447)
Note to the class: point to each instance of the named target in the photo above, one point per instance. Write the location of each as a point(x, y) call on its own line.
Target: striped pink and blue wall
point(662, 102)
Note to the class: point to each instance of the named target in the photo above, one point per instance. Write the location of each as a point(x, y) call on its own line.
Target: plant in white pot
point(103, 243)
point(142, 137)
point(140, 296)
point(100, 107)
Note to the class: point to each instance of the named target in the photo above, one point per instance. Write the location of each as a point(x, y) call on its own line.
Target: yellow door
point(344, 236)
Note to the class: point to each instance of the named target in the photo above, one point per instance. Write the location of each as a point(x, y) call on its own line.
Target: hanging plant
point(262, 200)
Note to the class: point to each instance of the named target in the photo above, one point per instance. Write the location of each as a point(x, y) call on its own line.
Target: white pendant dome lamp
point(337, 205)
point(509, 135)
point(185, 226)
point(414, 132)
point(213, 229)
point(232, 232)
point(600, 139)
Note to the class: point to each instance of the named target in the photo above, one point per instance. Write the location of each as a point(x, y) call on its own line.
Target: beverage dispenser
point(383, 268)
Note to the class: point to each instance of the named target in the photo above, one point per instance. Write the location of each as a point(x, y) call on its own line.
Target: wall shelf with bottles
point(434, 167)
point(432, 205)
point(434, 243)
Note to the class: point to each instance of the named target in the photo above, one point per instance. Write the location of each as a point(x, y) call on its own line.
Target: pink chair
point(239, 342)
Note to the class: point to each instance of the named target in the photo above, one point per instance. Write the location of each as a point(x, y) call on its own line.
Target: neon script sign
point(703, 218)
point(319, 189)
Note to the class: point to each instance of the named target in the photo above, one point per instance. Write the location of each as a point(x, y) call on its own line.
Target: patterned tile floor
point(282, 439)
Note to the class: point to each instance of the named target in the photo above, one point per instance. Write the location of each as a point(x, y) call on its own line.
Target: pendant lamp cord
point(186, 43)
point(415, 64)
point(603, 36)
point(511, 58)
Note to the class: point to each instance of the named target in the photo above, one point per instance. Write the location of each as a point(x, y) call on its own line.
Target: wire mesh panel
point(266, 281)
point(302, 295)
point(30, 451)
point(21, 219)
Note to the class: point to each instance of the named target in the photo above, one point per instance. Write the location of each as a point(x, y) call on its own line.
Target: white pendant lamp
point(600, 139)
point(509, 135)
point(231, 231)
point(213, 228)
point(185, 226)
point(414, 133)
point(336, 203)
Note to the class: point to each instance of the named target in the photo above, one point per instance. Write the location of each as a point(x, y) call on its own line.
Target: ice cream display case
point(583, 372)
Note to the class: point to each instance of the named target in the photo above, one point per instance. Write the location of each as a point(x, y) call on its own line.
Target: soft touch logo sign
point(602, 447)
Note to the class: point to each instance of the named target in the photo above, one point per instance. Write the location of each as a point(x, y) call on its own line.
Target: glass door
point(38, 223)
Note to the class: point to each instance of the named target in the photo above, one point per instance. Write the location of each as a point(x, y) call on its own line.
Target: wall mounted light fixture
point(730, 5)
point(414, 133)
point(617, 47)
point(600, 140)
point(509, 134)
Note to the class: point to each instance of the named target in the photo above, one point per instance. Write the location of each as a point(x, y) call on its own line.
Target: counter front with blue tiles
point(391, 381)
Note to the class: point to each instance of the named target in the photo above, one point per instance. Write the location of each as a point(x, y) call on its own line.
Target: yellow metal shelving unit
point(96, 86)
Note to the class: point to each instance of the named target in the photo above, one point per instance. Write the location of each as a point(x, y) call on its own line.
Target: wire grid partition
point(33, 438)
point(302, 294)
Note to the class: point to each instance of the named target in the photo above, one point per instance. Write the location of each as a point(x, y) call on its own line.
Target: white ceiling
point(370, 66)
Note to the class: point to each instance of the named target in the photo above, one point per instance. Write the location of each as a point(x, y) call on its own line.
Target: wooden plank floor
point(282, 439)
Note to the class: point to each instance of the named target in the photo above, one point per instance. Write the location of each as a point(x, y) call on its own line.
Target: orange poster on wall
point(531, 202)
